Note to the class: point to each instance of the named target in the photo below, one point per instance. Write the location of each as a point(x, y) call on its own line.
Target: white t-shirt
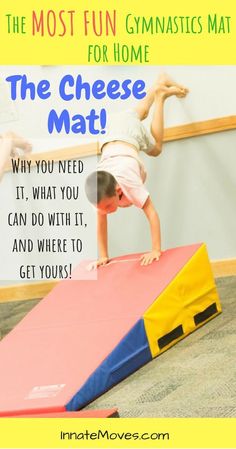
point(128, 170)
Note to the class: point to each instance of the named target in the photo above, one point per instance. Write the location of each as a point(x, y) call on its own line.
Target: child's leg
point(144, 105)
point(157, 125)
point(163, 90)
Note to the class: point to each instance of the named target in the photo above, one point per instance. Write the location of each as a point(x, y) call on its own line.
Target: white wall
point(193, 183)
point(193, 186)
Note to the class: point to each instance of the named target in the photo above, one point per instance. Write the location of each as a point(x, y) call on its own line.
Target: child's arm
point(102, 238)
point(154, 223)
point(102, 242)
point(9, 142)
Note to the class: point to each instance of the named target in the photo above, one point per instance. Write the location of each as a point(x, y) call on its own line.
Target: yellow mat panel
point(189, 301)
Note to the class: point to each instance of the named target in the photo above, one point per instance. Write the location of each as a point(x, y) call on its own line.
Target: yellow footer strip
point(117, 433)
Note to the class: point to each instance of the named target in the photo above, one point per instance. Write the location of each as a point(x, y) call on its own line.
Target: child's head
point(102, 191)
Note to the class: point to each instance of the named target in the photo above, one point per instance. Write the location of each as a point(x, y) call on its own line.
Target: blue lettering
point(138, 89)
point(67, 79)
point(58, 122)
point(112, 89)
point(97, 89)
point(127, 90)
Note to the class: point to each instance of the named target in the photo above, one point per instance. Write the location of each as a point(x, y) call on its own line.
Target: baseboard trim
point(23, 292)
point(224, 267)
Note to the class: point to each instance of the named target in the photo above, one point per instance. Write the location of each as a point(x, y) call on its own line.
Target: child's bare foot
point(15, 141)
point(165, 92)
point(168, 81)
point(175, 88)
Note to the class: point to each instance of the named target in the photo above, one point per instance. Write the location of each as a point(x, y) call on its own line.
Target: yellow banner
point(118, 32)
point(117, 433)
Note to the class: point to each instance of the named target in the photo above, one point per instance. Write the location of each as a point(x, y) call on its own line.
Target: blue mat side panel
point(130, 354)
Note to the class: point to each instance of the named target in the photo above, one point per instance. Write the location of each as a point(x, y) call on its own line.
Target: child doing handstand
point(120, 176)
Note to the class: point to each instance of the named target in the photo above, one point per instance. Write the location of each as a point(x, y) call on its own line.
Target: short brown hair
point(100, 184)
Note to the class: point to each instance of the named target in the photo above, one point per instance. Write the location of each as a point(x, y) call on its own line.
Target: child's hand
point(97, 263)
point(148, 258)
point(9, 145)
